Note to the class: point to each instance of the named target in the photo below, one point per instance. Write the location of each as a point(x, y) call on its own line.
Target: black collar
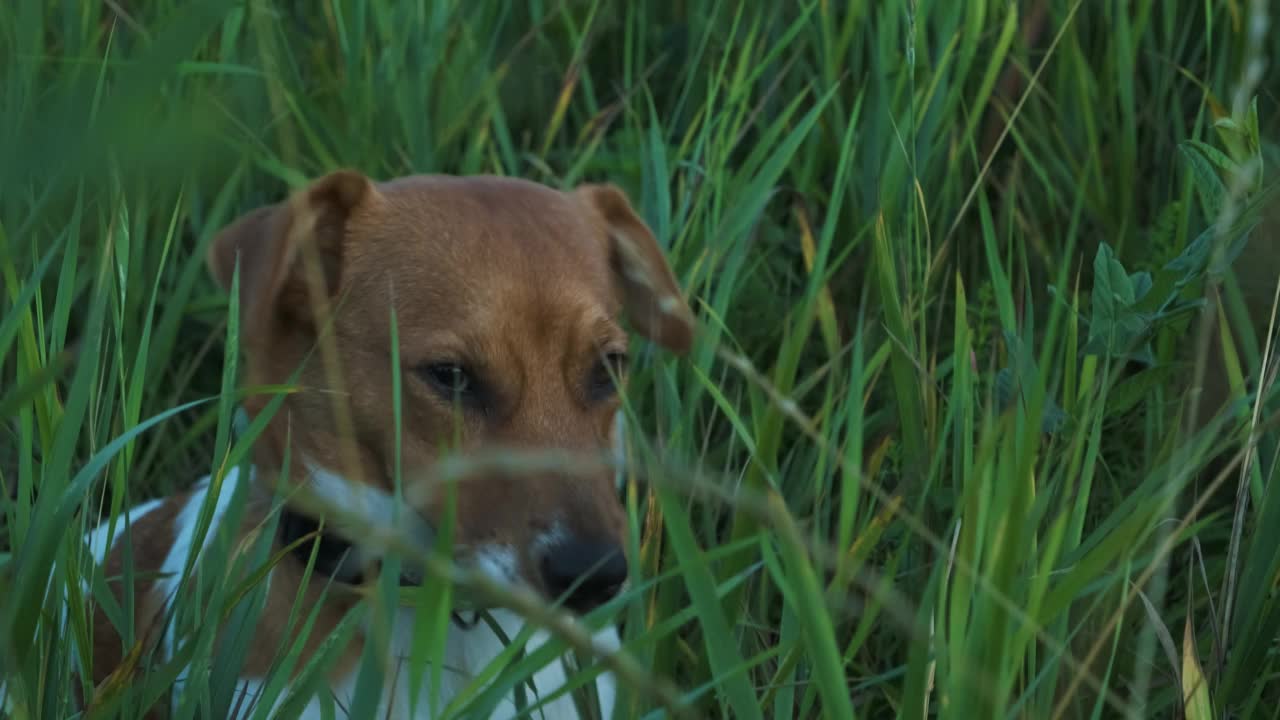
point(335, 557)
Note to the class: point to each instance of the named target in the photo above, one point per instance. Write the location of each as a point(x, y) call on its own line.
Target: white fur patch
point(184, 537)
point(545, 541)
point(469, 652)
point(497, 562)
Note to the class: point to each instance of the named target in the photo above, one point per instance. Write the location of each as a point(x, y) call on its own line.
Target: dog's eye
point(604, 376)
point(450, 379)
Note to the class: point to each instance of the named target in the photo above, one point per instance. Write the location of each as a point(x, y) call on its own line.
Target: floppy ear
point(290, 255)
point(650, 297)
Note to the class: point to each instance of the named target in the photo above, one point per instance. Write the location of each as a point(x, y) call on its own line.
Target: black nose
point(584, 575)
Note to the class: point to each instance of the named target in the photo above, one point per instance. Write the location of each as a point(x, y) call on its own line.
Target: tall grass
point(956, 264)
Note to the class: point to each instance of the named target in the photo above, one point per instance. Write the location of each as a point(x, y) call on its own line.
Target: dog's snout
point(584, 574)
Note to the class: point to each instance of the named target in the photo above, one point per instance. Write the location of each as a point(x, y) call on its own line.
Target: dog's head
point(508, 298)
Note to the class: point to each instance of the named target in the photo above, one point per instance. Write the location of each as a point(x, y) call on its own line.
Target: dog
point(509, 299)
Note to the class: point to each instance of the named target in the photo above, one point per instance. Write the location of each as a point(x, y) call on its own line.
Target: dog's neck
point(350, 525)
point(336, 541)
point(334, 556)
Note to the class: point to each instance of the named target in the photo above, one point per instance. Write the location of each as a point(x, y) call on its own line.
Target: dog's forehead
point(480, 226)
point(493, 216)
point(484, 242)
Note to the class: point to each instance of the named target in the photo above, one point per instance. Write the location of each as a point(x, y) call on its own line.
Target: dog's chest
point(469, 652)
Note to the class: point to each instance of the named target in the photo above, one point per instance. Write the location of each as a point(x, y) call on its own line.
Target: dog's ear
point(650, 297)
point(290, 254)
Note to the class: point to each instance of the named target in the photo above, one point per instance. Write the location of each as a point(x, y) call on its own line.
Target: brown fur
point(520, 283)
point(511, 278)
point(150, 539)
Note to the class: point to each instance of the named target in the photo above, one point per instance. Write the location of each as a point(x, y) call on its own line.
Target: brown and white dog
point(508, 297)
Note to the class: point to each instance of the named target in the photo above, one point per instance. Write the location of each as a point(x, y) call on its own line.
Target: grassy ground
point(960, 267)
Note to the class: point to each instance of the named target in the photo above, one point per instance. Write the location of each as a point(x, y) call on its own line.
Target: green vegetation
point(956, 265)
